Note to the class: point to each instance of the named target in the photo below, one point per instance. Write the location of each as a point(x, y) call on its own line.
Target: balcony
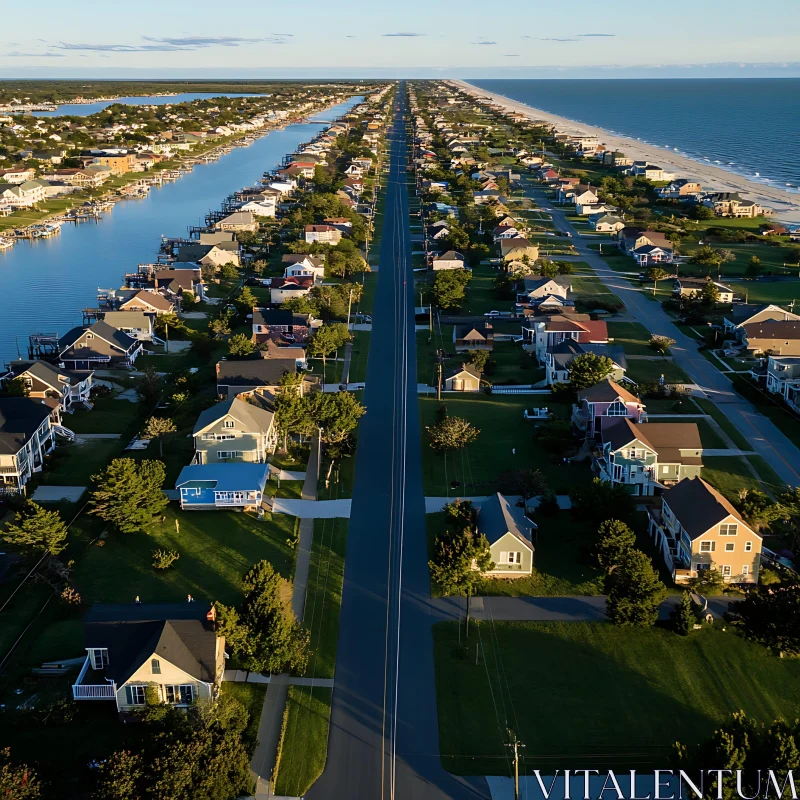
point(83, 690)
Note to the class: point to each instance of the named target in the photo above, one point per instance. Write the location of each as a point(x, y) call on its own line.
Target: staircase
point(60, 430)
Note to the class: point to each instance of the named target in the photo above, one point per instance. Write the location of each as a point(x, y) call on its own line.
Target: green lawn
point(645, 371)
point(109, 415)
point(304, 740)
point(592, 695)
point(324, 595)
point(561, 561)
point(251, 696)
point(358, 357)
point(729, 474)
point(710, 408)
point(216, 548)
point(633, 337)
point(73, 463)
point(481, 296)
point(768, 476)
point(500, 419)
point(590, 291)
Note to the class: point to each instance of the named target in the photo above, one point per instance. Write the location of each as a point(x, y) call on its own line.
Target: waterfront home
point(99, 346)
point(177, 281)
point(117, 163)
point(697, 529)
point(208, 255)
point(604, 402)
point(466, 378)
point(238, 221)
point(559, 357)
point(281, 289)
point(650, 455)
point(692, 288)
point(234, 430)
point(23, 195)
point(448, 260)
point(259, 208)
point(280, 323)
point(172, 649)
point(17, 175)
point(322, 233)
point(136, 324)
point(509, 533)
point(81, 178)
point(46, 381)
point(259, 375)
point(27, 435)
point(300, 265)
point(148, 303)
point(772, 337)
point(539, 333)
point(651, 172)
point(606, 223)
point(223, 486)
point(748, 313)
point(473, 337)
point(681, 189)
point(731, 204)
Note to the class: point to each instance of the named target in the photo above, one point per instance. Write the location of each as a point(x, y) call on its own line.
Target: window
point(726, 570)
point(617, 410)
point(745, 569)
point(730, 547)
point(155, 666)
point(664, 469)
point(225, 437)
point(223, 455)
point(748, 547)
point(515, 558)
point(183, 694)
point(707, 547)
point(99, 657)
point(207, 436)
point(728, 530)
point(228, 423)
point(135, 695)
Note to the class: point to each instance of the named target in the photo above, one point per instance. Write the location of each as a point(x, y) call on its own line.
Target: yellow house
point(173, 649)
point(697, 529)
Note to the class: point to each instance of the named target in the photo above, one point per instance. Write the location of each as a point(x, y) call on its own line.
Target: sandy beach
point(785, 204)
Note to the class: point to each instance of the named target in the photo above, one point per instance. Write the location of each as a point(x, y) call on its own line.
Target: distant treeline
point(55, 91)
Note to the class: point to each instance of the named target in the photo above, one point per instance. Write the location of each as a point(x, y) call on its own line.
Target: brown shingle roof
point(773, 329)
point(606, 392)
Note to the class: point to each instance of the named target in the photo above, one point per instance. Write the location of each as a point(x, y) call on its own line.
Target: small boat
point(5, 243)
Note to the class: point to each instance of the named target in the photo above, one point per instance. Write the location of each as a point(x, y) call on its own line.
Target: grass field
point(475, 469)
point(707, 407)
point(304, 740)
point(729, 474)
point(216, 548)
point(643, 371)
point(592, 695)
point(633, 337)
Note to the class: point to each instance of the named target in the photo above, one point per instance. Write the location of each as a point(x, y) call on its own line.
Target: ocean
point(746, 125)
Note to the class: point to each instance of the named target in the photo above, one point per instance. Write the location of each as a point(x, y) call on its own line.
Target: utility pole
point(516, 744)
point(439, 355)
point(349, 307)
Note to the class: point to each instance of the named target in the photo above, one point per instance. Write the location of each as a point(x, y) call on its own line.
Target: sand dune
point(786, 204)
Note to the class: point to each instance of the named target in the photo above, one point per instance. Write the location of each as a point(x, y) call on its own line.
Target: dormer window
point(99, 657)
point(228, 423)
point(155, 666)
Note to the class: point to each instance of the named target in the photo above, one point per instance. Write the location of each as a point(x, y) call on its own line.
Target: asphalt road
point(384, 740)
point(768, 441)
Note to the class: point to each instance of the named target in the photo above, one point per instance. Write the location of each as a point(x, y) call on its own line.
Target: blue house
point(222, 485)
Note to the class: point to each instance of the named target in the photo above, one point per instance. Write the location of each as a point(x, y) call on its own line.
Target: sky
point(412, 38)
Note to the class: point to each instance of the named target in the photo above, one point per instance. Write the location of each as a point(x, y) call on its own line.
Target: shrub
point(164, 559)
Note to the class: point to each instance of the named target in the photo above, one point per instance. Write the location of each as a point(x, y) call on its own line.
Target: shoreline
point(714, 178)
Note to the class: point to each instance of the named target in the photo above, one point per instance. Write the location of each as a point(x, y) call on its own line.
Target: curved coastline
point(786, 204)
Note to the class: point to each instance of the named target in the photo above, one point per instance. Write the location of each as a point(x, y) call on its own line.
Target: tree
point(461, 554)
point(587, 369)
point(656, 274)
point(245, 301)
point(449, 288)
point(634, 591)
point(129, 493)
point(240, 345)
point(16, 387)
point(326, 340)
point(600, 501)
point(158, 428)
point(149, 385)
point(187, 300)
point(701, 212)
point(526, 482)
point(451, 433)
point(753, 267)
point(683, 616)
point(337, 413)
point(18, 781)
point(771, 616)
point(793, 255)
point(709, 294)
point(264, 632)
point(36, 530)
point(229, 271)
point(615, 541)
point(479, 359)
point(661, 344)
point(220, 326)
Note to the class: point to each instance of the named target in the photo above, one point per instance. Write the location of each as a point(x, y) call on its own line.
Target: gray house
point(234, 430)
point(46, 381)
point(509, 533)
point(98, 347)
point(557, 359)
point(253, 375)
point(27, 435)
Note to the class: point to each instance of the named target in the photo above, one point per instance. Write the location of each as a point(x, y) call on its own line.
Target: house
point(465, 378)
point(323, 233)
point(473, 337)
point(438, 232)
point(539, 333)
point(261, 375)
point(557, 359)
point(27, 435)
point(630, 238)
point(692, 287)
point(46, 381)
point(448, 260)
point(697, 529)
point(234, 430)
point(504, 232)
point(509, 533)
point(773, 337)
point(238, 221)
point(582, 196)
point(518, 248)
point(282, 323)
point(649, 455)
point(148, 303)
point(17, 175)
point(136, 324)
point(23, 195)
point(783, 378)
point(259, 208)
point(300, 265)
point(98, 346)
point(222, 485)
point(173, 648)
point(536, 289)
point(118, 163)
point(681, 189)
point(606, 223)
point(731, 204)
point(281, 289)
point(275, 350)
point(592, 209)
point(649, 254)
point(209, 255)
point(178, 281)
point(604, 402)
point(748, 313)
